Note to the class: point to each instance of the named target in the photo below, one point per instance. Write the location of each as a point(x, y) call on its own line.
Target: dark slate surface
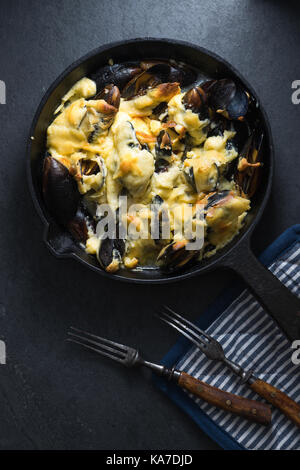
point(52, 395)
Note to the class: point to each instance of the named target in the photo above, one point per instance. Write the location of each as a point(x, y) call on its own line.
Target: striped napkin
point(250, 337)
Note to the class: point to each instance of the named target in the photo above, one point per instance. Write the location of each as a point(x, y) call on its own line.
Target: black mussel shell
point(242, 133)
point(163, 147)
point(206, 86)
point(78, 226)
point(111, 94)
point(160, 70)
point(216, 198)
point(120, 246)
point(221, 94)
point(161, 165)
point(230, 169)
point(161, 110)
point(60, 190)
point(185, 75)
point(248, 180)
point(196, 100)
point(172, 259)
point(155, 73)
point(217, 130)
point(89, 206)
point(157, 200)
point(118, 74)
point(106, 252)
point(190, 177)
point(110, 249)
point(228, 98)
point(172, 72)
point(149, 78)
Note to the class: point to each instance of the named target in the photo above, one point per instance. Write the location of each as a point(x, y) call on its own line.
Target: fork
point(214, 350)
point(130, 357)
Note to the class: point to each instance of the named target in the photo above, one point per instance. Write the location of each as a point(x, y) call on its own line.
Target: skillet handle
point(274, 297)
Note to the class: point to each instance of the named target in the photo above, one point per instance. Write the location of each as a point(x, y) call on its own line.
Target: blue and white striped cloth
point(251, 338)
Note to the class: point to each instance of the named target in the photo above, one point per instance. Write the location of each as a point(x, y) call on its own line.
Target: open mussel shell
point(161, 111)
point(78, 226)
point(157, 72)
point(174, 72)
point(216, 198)
point(196, 100)
point(139, 85)
point(111, 94)
point(149, 78)
point(220, 125)
point(163, 147)
point(174, 256)
point(248, 176)
point(60, 190)
point(110, 254)
point(161, 165)
point(163, 151)
point(228, 99)
point(87, 168)
point(118, 74)
point(190, 177)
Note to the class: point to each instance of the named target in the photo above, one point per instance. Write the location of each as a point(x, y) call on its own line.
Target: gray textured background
point(53, 396)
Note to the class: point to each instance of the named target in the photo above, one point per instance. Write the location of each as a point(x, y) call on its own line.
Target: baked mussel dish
point(133, 146)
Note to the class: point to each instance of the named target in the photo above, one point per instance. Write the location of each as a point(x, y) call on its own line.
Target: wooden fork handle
point(279, 399)
point(250, 409)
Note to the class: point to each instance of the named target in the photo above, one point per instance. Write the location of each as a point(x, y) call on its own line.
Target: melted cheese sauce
point(121, 148)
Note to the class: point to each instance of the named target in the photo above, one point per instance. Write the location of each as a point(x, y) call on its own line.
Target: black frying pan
point(237, 255)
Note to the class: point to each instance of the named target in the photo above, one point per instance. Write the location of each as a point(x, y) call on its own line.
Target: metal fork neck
point(162, 371)
point(245, 375)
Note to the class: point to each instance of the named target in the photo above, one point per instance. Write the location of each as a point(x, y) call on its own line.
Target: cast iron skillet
point(238, 256)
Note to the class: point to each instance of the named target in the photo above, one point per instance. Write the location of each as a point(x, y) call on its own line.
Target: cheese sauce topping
point(119, 152)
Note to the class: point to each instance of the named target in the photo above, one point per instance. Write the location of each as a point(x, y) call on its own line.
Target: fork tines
point(185, 327)
point(103, 346)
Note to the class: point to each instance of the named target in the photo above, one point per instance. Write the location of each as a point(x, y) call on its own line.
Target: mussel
point(78, 226)
point(174, 72)
point(249, 166)
point(190, 177)
point(149, 78)
point(118, 74)
point(159, 216)
point(224, 214)
point(161, 165)
point(163, 151)
point(163, 147)
point(175, 255)
point(110, 254)
point(227, 98)
point(219, 126)
point(63, 200)
point(160, 112)
point(153, 74)
point(196, 100)
point(215, 198)
point(106, 105)
point(60, 190)
point(200, 176)
point(91, 174)
point(111, 94)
